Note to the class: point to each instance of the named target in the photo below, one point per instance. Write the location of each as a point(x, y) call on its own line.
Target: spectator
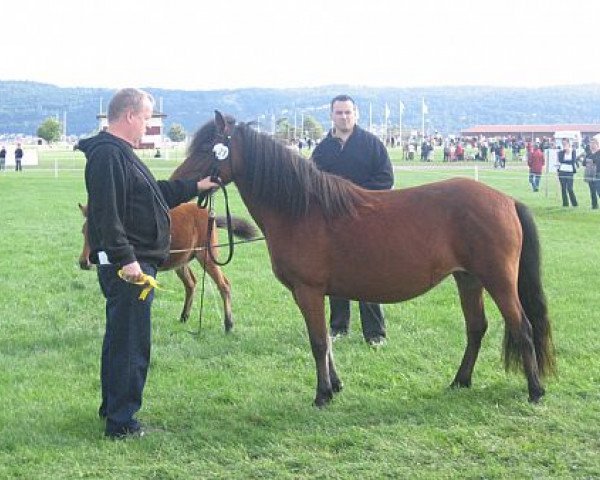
point(460, 152)
point(500, 161)
point(128, 230)
point(355, 154)
point(567, 168)
point(592, 170)
point(536, 162)
point(3, 158)
point(18, 158)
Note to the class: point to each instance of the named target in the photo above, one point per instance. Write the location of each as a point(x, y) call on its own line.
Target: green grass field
point(239, 406)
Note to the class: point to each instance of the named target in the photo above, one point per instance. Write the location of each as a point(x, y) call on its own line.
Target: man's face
point(343, 116)
point(139, 121)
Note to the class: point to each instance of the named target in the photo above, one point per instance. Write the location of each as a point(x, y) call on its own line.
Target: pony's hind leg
point(518, 340)
point(186, 276)
point(471, 299)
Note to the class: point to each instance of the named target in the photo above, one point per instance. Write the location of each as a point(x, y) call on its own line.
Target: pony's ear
point(220, 121)
point(83, 209)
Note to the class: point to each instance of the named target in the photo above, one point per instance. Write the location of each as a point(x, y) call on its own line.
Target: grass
point(239, 405)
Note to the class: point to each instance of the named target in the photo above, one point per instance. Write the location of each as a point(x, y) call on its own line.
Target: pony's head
point(210, 151)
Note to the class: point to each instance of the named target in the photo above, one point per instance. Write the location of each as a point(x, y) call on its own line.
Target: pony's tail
point(241, 228)
point(533, 301)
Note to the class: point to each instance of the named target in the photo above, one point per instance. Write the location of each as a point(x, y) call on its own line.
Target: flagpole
point(401, 111)
point(423, 117)
point(385, 124)
point(370, 117)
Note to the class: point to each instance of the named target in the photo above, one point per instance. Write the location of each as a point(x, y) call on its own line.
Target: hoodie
point(363, 159)
point(128, 210)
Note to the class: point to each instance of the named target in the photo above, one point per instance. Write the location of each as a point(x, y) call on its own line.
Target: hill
point(24, 105)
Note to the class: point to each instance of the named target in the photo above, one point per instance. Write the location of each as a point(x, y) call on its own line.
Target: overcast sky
point(226, 44)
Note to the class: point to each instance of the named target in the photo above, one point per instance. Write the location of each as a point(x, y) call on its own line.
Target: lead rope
point(208, 202)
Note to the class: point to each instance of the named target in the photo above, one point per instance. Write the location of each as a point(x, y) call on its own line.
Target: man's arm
point(105, 180)
point(382, 177)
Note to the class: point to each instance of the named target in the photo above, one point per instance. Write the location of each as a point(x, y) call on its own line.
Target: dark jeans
point(594, 192)
point(125, 349)
point(371, 317)
point(534, 180)
point(18, 166)
point(566, 189)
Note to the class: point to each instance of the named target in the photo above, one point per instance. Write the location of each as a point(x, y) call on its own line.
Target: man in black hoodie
point(129, 230)
point(359, 156)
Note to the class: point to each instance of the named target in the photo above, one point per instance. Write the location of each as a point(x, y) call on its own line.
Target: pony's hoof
point(322, 399)
point(183, 319)
point(337, 386)
point(228, 323)
point(461, 384)
point(535, 397)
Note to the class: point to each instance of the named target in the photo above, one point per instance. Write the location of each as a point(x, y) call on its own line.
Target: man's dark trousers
point(371, 317)
point(125, 349)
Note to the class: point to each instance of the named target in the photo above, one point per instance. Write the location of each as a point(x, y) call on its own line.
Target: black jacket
point(363, 160)
point(570, 161)
point(128, 210)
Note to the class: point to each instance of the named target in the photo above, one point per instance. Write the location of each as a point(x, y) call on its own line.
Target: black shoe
point(376, 342)
point(337, 334)
point(132, 430)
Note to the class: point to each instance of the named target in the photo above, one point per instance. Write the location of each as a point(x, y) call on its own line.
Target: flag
point(425, 108)
point(401, 107)
point(387, 112)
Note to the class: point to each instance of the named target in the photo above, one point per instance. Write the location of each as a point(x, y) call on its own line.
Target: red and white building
point(154, 137)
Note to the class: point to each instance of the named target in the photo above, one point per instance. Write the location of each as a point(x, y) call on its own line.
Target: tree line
point(24, 106)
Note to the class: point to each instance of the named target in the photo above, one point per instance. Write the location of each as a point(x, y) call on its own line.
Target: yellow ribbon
point(148, 280)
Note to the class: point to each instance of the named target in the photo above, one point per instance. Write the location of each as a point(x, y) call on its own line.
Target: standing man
point(18, 158)
point(536, 162)
point(359, 156)
point(128, 228)
point(3, 158)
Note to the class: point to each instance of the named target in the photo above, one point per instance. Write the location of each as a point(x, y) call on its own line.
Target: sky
point(230, 44)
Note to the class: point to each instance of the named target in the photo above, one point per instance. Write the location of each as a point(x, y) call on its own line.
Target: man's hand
point(132, 272)
point(206, 184)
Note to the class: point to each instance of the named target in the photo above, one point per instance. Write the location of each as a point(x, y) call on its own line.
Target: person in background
point(129, 235)
point(3, 158)
point(567, 168)
point(359, 156)
point(592, 165)
point(18, 158)
point(536, 162)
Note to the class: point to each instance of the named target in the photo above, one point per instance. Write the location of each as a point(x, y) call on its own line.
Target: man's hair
point(127, 99)
point(342, 98)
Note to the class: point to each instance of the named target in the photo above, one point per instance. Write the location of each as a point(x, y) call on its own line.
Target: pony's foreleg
point(312, 306)
point(186, 276)
point(471, 299)
point(224, 289)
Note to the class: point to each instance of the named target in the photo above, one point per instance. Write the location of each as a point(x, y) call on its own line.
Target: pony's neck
point(254, 209)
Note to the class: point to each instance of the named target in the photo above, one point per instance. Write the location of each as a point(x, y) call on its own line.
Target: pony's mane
point(286, 181)
point(277, 176)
